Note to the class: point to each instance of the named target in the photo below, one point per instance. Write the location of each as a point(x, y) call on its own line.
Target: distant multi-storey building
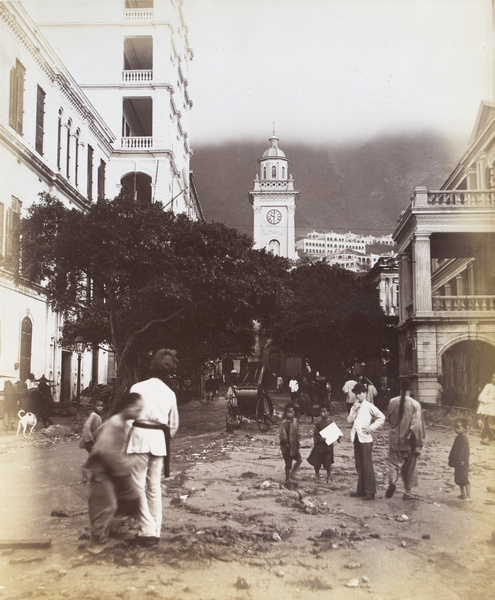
point(348, 250)
point(106, 113)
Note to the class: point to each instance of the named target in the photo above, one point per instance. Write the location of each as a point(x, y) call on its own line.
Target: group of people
point(33, 395)
point(129, 451)
point(406, 436)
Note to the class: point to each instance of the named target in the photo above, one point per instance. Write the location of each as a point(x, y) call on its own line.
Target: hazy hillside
point(362, 188)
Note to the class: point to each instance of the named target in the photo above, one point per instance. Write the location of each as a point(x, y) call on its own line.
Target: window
point(67, 164)
point(76, 157)
point(16, 107)
point(26, 342)
point(90, 173)
point(101, 180)
point(274, 247)
point(274, 171)
point(12, 229)
point(264, 172)
point(59, 139)
point(283, 172)
point(40, 120)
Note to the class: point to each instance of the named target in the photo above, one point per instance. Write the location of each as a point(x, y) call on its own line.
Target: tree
point(136, 278)
point(333, 319)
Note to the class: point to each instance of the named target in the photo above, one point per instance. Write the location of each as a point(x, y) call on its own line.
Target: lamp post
point(80, 345)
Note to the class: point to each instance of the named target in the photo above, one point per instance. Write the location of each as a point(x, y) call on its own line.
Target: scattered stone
point(365, 579)
point(352, 583)
point(403, 544)
point(315, 583)
point(353, 566)
point(402, 518)
point(309, 506)
point(426, 536)
point(375, 535)
point(276, 537)
point(249, 475)
point(280, 573)
point(490, 489)
point(329, 534)
point(241, 584)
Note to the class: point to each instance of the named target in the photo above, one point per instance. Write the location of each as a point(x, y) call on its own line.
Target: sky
point(336, 70)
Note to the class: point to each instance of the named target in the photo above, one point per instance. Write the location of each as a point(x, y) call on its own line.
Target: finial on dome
point(273, 129)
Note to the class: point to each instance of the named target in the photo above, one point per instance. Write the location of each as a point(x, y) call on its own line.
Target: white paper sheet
point(331, 433)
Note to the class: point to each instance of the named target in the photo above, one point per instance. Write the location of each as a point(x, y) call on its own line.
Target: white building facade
point(53, 138)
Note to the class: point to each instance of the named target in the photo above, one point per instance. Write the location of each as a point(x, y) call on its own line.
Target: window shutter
point(13, 102)
point(20, 71)
point(40, 118)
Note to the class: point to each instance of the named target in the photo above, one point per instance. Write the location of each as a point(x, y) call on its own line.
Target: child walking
point(91, 426)
point(112, 487)
point(322, 453)
point(289, 441)
point(459, 459)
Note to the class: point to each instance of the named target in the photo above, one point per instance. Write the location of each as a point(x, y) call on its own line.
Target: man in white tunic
point(147, 441)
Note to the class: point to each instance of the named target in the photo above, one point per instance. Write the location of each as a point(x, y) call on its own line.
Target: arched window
point(274, 171)
point(274, 247)
point(283, 172)
point(26, 343)
point(264, 172)
point(138, 186)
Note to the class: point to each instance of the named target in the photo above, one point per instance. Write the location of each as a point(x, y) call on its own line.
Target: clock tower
point(274, 203)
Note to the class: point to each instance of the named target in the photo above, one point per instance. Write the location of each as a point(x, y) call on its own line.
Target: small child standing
point(459, 459)
point(322, 453)
point(289, 441)
point(91, 425)
point(112, 487)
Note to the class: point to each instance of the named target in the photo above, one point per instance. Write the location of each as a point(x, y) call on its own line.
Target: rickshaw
point(249, 400)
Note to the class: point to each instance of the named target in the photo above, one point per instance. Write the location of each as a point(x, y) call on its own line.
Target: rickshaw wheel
point(264, 413)
point(233, 417)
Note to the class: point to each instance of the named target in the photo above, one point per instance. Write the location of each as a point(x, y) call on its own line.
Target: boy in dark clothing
point(112, 488)
point(289, 441)
point(322, 453)
point(459, 459)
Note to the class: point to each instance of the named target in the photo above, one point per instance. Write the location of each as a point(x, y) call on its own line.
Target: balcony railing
point(137, 76)
point(137, 143)
point(463, 303)
point(138, 14)
point(462, 198)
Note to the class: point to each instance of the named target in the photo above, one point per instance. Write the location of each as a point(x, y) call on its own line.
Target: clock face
point(274, 216)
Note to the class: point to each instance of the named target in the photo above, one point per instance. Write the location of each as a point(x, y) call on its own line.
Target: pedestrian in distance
point(459, 459)
point(289, 442)
point(350, 398)
point(407, 432)
point(486, 408)
point(280, 384)
point(294, 389)
point(322, 453)
point(365, 419)
point(149, 442)
point(210, 388)
point(113, 489)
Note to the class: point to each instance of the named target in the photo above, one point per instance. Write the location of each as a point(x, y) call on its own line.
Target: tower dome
point(274, 151)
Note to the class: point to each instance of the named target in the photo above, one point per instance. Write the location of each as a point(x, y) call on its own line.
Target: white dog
point(26, 420)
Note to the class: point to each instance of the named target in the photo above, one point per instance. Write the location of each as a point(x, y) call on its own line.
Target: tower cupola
point(274, 165)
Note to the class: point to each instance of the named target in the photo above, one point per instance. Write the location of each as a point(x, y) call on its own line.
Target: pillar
point(404, 285)
point(422, 274)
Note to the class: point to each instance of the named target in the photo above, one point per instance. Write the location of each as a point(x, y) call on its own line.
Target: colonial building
point(131, 133)
point(385, 275)
point(274, 203)
point(446, 242)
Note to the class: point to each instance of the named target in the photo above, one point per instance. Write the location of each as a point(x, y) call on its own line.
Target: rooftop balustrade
point(463, 303)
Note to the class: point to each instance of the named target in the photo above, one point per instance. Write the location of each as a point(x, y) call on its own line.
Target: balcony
point(137, 143)
point(463, 303)
point(138, 14)
point(137, 76)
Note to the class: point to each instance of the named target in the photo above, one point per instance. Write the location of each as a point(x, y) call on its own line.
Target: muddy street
point(231, 530)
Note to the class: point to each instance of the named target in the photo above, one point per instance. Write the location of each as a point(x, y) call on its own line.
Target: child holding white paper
point(322, 453)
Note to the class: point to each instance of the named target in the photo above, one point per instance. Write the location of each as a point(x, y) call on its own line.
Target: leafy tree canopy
point(136, 277)
point(333, 319)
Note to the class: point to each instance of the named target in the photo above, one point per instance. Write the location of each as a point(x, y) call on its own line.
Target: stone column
point(404, 285)
point(422, 274)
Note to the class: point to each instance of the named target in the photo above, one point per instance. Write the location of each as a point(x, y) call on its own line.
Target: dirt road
point(231, 531)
